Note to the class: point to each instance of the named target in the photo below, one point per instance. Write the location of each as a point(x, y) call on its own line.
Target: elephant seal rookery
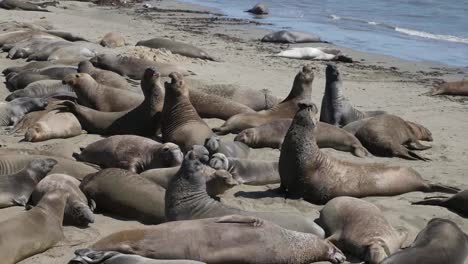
point(176, 47)
point(308, 173)
point(227, 239)
point(456, 203)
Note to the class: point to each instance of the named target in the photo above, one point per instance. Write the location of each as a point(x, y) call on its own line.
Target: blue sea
point(420, 30)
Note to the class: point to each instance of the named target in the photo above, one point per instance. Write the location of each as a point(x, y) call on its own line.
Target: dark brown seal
point(456, 203)
point(307, 172)
point(259, 9)
point(451, 88)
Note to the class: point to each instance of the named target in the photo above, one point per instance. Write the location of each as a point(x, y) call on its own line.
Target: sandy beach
point(375, 82)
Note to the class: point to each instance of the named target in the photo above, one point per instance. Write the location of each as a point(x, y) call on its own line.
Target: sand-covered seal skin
point(34, 231)
point(456, 203)
point(176, 47)
point(54, 124)
point(286, 36)
point(317, 177)
point(12, 112)
point(451, 88)
point(360, 228)
point(239, 239)
point(125, 194)
point(113, 40)
point(133, 153)
point(15, 189)
point(441, 241)
point(336, 109)
point(231, 149)
point(186, 198)
point(301, 90)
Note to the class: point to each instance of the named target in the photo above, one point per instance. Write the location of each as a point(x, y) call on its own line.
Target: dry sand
point(376, 83)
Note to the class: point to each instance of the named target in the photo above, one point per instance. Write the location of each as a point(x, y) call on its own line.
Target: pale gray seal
point(113, 40)
point(23, 5)
point(42, 88)
point(176, 48)
point(114, 257)
point(286, 36)
point(12, 112)
point(452, 88)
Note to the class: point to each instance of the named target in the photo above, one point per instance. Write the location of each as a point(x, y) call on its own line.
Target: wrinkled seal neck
point(153, 96)
point(300, 90)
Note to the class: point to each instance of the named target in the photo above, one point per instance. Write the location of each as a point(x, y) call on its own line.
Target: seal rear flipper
point(409, 155)
point(437, 187)
point(21, 200)
point(88, 256)
point(439, 201)
point(416, 145)
point(241, 219)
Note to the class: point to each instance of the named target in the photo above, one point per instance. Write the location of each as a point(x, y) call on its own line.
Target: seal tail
point(88, 256)
point(410, 155)
point(437, 187)
point(437, 201)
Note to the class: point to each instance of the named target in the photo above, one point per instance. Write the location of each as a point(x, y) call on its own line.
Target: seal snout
point(172, 155)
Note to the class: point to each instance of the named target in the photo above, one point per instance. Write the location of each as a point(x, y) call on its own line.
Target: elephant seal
point(114, 257)
point(336, 109)
point(125, 194)
point(308, 173)
point(186, 198)
point(239, 239)
point(286, 36)
point(360, 229)
point(309, 53)
point(181, 123)
point(456, 203)
point(26, 6)
point(54, 124)
point(441, 241)
point(16, 188)
point(134, 67)
point(301, 90)
point(390, 136)
point(34, 231)
point(272, 134)
point(12, 112)
point(451, 88)
point(259, 9)
point(104, 77)
point(77, 210)
point(176, 47)
point(100, 97)
point(113, 40)
point(66, 35)
point(37, 65)
point(43, 88)
point(72, 52)
point(232, 149)
point(133, 153)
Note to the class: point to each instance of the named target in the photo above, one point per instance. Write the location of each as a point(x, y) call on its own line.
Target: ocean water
point(421, 30)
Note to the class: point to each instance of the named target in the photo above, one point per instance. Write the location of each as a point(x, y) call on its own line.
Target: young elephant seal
point(452, 88)
point(441, 241)
point(104, 77)
point(186, 198)
point(176, 47)
point(77, 209)
point(456, 203)
point(12, 112)
point(390, 136)
point(271, 135)
point(336, 109)
point(34, 231)
point(181, 123)
point(15, 189)
point(133, 153)
point(87, 256)
point(113, 40)
point(54, 124)
point(231, 149)
point(308, 173)
point(360, 228)
point(227, 239)
point(301, 90)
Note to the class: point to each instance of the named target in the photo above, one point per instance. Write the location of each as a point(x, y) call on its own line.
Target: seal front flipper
point(21, 200)
point(241, 219)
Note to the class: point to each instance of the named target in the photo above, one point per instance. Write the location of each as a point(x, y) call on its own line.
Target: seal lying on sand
point(238, 239)
point(308, 173)
point(15, 189)
point(441, 241)
point(54, 124)
point(176, 47)
point(186, 198)
point(104, 77)
point(77, 209)
point(113, 40)
point(456, 203)
point(451, 88)
point(113, 257)
point(133, 153)
point(34, 231)
point(301, 90)
point(271, 135)
point(309, 53)
point(360, 228)
point(336, 109)
point(23, 5)
point(43, 88)
point(12, 112)
point(286, 36)
point(231, 149)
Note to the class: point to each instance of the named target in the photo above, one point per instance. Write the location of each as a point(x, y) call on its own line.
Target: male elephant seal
point(125, 194)
point(77, 209)
point(113, 257)
point(23, 5)
point(456, 203)
point(176, 47)
point(301, 90)
point(390, 136)
point(113, 40)
point(12, 112)
point(186, 198)
point(232, 149)
point(308, 173)
point(104, 77)
point(227, 239)
point(54, 124)
point(34, 231)
point(181, 123)
point(143, 120)
point(15, 189)
point(451, 88)
point(286, 36)
point(272, 134)
point(134, 67)
point(133, 153)
point(100, 97)
point(441, 241)
point(359, 228)
point(246, 171)
point(259, 9)
point(336, 109)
